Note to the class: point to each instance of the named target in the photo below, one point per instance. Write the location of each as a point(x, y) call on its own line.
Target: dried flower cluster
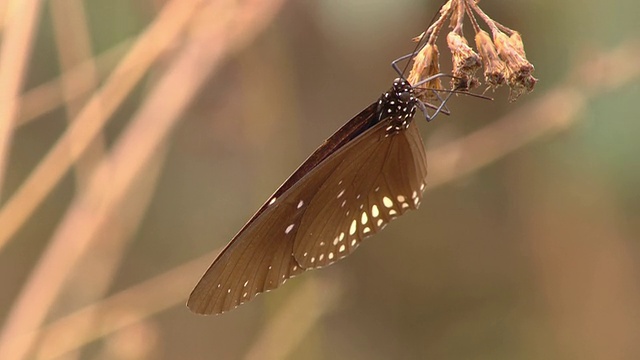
point(501, 54)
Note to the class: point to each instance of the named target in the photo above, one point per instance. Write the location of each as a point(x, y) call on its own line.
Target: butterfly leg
point(394, 63)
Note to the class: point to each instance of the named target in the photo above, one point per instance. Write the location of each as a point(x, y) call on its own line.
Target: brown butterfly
point(369, 172)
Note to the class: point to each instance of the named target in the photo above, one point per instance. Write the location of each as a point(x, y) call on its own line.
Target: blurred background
point(137, 137)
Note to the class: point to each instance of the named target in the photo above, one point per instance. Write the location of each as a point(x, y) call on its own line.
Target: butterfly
point(369, 172)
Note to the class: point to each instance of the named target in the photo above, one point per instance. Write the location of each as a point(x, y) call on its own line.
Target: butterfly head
point(397, 106)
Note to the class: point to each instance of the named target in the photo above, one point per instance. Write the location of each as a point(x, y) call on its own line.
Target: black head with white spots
point(397, 106)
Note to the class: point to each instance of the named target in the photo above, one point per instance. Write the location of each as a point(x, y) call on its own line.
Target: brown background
point(525, 246)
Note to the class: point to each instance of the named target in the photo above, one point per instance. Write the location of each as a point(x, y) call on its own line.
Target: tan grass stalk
point(77, 83)
point(157, 39)
point(15, 52)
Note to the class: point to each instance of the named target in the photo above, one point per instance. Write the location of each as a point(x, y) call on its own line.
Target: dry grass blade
point(152, 43)
point(48, 96)
point(14, 55)
point(70, 22)
point(120, 310)
point(100, 265)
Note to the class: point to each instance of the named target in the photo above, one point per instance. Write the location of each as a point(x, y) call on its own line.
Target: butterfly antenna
point(442, 101)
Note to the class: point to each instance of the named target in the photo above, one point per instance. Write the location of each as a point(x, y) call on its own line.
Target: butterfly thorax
point(397, 106)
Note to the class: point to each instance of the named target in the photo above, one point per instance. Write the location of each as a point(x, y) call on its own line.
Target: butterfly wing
point(385, 178)
point(259, 258)
point(382, 163)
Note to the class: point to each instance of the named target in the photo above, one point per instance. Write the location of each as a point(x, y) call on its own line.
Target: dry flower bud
point(515, 62)
point(523, 85)
point(465, 62)
point(516, 41)
point(425, 64)
point(519, 69)
point(494, 68)
point(419, 37)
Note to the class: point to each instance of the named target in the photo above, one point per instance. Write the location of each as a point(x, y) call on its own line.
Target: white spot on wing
point(364, 218)
point(289, 228)
point(273, 199)
point(374, 211)
point(300, 204)
point(352, 229)
point(387, 202)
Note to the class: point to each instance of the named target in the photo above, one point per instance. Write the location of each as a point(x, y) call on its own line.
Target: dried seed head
point(519, 69)
point(425, 64)
point(516, 41)
point(494, 68)
point(503, 57)
point(465, 62)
